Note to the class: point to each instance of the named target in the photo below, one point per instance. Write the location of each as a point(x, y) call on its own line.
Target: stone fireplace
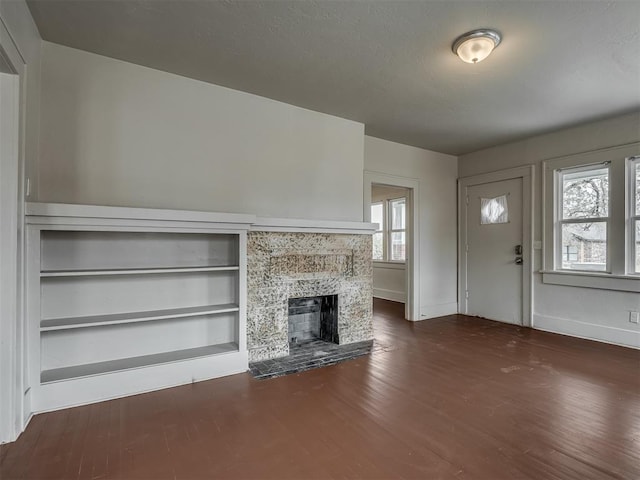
point(292, 268)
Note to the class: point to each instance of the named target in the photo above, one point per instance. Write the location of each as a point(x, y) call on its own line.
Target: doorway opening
point(391, 202)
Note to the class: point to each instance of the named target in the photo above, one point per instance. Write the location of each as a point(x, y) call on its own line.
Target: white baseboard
point(590, 331)
point(74, 392)
point(392, 295)
point(433, 311)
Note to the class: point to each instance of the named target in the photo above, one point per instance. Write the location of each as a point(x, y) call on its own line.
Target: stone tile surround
point(283, 265)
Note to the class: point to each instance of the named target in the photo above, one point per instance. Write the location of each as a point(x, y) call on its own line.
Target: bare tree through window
point(584, 216)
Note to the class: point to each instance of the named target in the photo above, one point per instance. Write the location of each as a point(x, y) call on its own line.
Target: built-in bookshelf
point(128, 300)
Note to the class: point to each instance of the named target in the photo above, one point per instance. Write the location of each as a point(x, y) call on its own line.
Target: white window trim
point(390, 231)
point(632, 214)
point(618, 275)
point(559, 221)
point(389, 265)
point(381, 229)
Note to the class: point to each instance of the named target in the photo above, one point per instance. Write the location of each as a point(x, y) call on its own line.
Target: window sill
point(602, 281)
point(389, 265)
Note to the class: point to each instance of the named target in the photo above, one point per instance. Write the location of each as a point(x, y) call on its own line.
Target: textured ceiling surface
point(387, 64)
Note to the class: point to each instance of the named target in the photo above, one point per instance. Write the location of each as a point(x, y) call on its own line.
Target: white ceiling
point(387, 64)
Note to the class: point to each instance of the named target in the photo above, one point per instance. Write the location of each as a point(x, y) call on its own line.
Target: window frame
point(391, 230)
point(560, 221)
point(633, 213)
point(387, 231)
point(381, 229)
point(618, 276)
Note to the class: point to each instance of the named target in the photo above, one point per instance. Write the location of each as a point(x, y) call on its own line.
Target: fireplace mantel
point(297, 225)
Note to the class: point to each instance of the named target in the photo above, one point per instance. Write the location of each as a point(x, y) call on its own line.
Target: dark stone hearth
point(309, 355)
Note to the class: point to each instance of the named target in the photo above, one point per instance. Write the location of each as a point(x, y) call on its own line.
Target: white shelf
point(108, 288)
point(54, 324)
point(100, 368)
point(135, 271)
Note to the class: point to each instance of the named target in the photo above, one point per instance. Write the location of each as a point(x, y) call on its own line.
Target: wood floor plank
point(452, 398)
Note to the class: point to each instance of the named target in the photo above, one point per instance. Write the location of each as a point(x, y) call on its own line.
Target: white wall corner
point(589, 331)
point(393, 295)
point(439, 310)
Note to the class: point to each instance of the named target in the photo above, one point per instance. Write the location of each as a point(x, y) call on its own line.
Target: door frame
point(412, 272)
point(15, 413)
point(527, 174)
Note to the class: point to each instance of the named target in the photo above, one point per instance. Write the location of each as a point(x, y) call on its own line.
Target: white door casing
point(14, 401)
point(10, 373)
point(490, 283)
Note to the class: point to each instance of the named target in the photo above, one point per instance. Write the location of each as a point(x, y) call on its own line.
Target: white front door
point(494, 250)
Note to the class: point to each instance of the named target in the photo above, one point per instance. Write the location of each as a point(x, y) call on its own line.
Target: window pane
point(377, 246)
point(584, 246)
point(637, 246)
point(376, 215)
point(494, 210)
point(637, 187)
point(585, 194)
point(397, 246)
point(397, 214)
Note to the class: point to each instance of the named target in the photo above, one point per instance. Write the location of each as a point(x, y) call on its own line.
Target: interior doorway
point(389, 211)
point(390, 202)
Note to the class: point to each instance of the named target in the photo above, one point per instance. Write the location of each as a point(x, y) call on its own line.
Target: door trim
point(412, 306)
point(15, 413)
point(527, 174)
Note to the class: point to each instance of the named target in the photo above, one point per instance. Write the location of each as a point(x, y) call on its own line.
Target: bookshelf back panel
point(91, 345)
point(98, 295)
point(79, 250)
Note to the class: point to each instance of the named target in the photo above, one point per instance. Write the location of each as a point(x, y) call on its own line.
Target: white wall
point(589, 313)
point(386, 192)
point(389, 278)
point(20, 43)
point(389, 281)
point(436, 174)
point(114, 133)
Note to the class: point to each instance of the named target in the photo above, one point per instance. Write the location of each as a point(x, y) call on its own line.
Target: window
point(377, 216)
point(389, 241)
point(583, 213)
point(398, 230)
point(570, 253)
point(592, 219)
point(494, 210)
point(634, 226)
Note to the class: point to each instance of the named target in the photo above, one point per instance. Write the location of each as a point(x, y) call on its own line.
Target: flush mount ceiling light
point(476, 45)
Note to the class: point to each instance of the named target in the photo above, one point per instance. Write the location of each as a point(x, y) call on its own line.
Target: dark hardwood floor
point(455, 397)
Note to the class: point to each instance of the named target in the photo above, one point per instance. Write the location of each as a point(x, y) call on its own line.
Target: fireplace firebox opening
point(313, 318)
